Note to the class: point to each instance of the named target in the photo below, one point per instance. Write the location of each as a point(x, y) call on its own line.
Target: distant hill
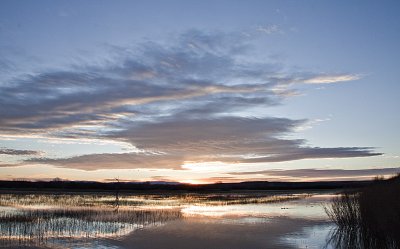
point(172, 186)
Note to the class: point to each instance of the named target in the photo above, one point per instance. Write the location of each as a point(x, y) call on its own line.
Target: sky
point(199, 91)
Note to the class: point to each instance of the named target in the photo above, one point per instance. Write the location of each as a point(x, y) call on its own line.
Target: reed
point(95, 200)
point(369, 218)
point(37, 226)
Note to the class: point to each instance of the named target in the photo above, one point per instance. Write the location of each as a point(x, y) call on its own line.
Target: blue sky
point(199, 91)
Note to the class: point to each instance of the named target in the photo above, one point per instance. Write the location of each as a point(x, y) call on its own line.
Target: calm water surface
point(241, 220)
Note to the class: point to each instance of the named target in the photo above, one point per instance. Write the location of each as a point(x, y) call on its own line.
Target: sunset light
point(120, 117)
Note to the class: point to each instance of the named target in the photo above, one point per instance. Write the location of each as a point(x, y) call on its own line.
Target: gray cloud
point(14, 152)
point(180, 134)
point(175, 140)
point(316, 152)
point(323, 173)
point(115, 161)
point(197, 64)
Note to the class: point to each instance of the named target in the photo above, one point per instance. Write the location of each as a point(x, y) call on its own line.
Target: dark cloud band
point(13, 152)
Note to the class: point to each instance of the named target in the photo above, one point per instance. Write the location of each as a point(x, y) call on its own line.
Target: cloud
point(334, 78)
point(5, 164)
point(316, 152)
point(269, 29)
point(322, 173)
point(198, 65)
point(14, 152)
point(189, 99)
point(206, 65)
point(114, 161)
point(178, 133)
point(173, 141)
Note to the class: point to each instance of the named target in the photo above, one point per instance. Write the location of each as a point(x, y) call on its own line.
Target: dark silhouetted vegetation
point(150, 186)
point(368, 218)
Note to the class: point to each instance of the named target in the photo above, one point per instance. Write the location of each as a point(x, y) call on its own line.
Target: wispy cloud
point(333, 78)
point(269, 29)
point(322, 173)
point(114, 161)
point(14, 152)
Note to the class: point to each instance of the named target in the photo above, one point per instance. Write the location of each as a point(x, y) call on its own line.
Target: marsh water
point(186, 220)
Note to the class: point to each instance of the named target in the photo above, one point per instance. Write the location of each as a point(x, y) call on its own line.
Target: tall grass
point(37, 226)
point(345, 210)
point(369, 218)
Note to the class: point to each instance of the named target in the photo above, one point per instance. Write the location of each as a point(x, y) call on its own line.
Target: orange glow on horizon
point(194, 182)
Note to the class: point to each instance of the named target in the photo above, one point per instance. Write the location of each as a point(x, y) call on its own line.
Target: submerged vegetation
point(95, 200)
point(43, 219)
point(38, 226)
point(369, 218)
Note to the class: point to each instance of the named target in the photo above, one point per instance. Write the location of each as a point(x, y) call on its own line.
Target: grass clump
point(368, 218)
